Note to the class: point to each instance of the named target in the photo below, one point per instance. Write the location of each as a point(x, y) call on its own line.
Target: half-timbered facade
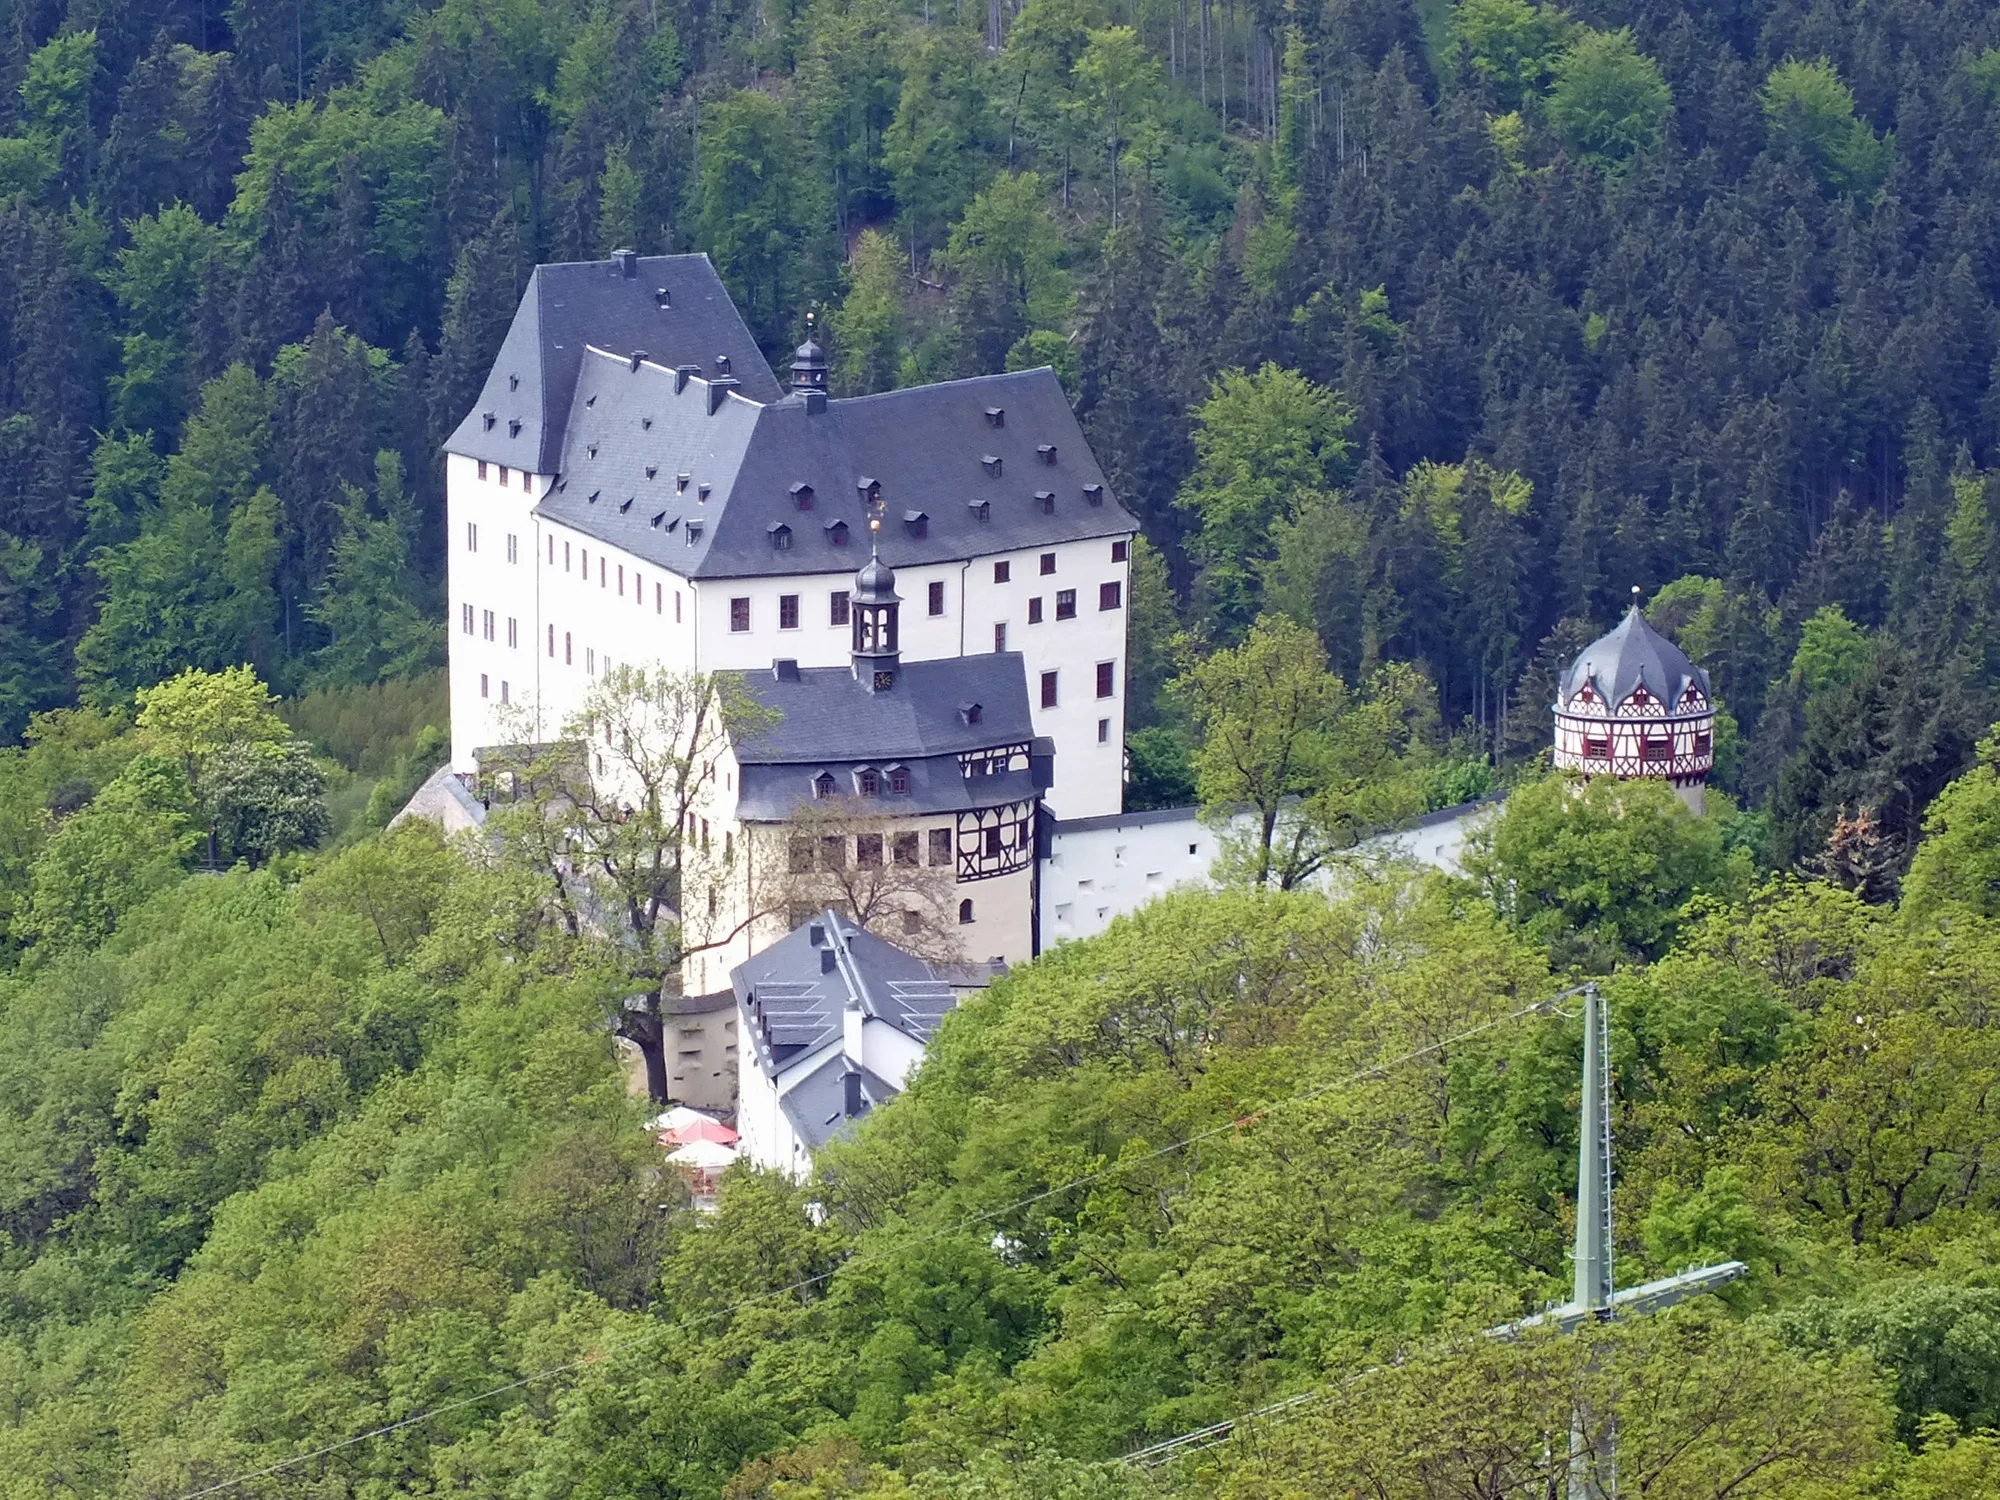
point(1633, 706)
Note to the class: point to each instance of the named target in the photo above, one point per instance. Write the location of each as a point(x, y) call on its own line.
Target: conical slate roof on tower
point(1631, 656)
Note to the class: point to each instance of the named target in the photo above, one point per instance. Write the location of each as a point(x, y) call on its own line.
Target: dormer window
point(823, 785)
point(917, 523)
point(1046, 452)
point(990, 462)
point(802, 495)
point(701, 493)
point(658, 518)
point(662, 298)
point(982, 510)
point(1093, 494)
point(899, 783)
point(836, 533)
point(869, 489)
point(693, 532)
point(681, 482)
point(971, 713)
point(593, 450)
point(513, 382)
point(626, 504)
point(722, 364)
point(488, 419)
point(781, 537)
point(867, 783)
point(592, 497)
point(513, 427)
point(1046, 499)
point(996, 416)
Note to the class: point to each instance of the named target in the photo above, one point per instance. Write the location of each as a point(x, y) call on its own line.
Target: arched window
point(965, 910)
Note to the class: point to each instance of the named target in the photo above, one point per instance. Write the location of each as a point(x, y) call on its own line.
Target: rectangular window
point(1107, 676)
point(788, 611)
point(1002, 571)
point(800, 857)
point(513, 633)
point(503, 476)
point(1065, 604)
point(621, 580)
point(569, 650)
point(1035, 611)
point(937, 598)
point(1048, 562)
point(994, 843)
point(833, 852)
point(486, 624)
point(465, 618)
point(1103, 731)
point(739, 615)
point(659, 597)
point(471, 537)
point(552, 552)
point(1118, 551)
point(482, 684)
point(552, 643)
point(504, 698)
point(482, 468)
point(513, 548)
point(583, 555)
point(1048, 690)
point(1000, 636)
point(905, 849)
point(602, 580)
point(940, 846)
point(868, 850)
point(837, 612)
point(590, 660)
point(1110, 595)
point(677, 606)
point(638, 589)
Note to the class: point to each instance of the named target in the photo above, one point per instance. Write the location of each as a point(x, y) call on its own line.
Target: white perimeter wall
point(1111, 866)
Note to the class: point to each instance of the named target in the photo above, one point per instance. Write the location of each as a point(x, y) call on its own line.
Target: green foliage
point(1512, 45)
point(378, 618)
point(757, 211)
point(1957, 867)
point(1609, 99)
point(867, 327)
point(1809, 111)
point(1599, 869)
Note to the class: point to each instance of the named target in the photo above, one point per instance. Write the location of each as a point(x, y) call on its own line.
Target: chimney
point(722, 364)
point(850, 1035)
point(815, 403)
point(851, 1101)
point(719, 389)
point(628, 262)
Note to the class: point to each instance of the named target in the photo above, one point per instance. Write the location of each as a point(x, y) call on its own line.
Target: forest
point(1416, 333)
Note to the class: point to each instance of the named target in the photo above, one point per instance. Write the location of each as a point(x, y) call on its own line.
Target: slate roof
point(1632, 654)
point(793, 1005)
point(569, 306)
point(632, 434)
point(830, 723)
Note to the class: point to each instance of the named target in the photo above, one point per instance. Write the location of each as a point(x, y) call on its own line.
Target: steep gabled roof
point(825, 714)
point(614, 305)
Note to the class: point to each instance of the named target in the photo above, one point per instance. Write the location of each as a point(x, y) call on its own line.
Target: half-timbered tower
point(1633, 706)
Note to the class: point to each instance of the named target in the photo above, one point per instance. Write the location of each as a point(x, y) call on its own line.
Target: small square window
point(739, 615)
point(1048, 562)
point(906, 849)
point(936, 599)
point(1103, 731)
point(788, 611)
point(1035, 611)
point(1110, 595)
point(1118, 550)
point(1002, 572)
point(1107, 675)
point(1065, 604)
point(1048, 690)
point(940, 840)
point(837, 608)
point(1000, 636)
point(833, 852)
point(868, 850)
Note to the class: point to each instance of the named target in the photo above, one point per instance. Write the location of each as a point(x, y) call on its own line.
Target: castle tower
point(873, 606)
point(1633, 706)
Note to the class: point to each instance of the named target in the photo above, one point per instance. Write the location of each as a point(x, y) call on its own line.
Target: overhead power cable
point(869, 1257)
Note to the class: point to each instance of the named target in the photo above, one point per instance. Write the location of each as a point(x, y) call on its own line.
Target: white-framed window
point(471, 536)
point(513, 633)
point(513, 548)
point(465, 618)
point(486, 624)
point(482, 684)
